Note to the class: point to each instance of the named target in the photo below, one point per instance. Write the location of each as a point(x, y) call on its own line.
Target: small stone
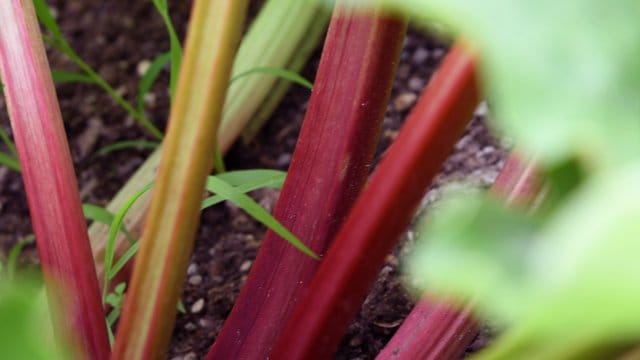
point(246, 265)
point(415, 83)
point(190, 356)
point(192, 269)
point(205, 323)
point(438, 53)
point(404, 101)
point(482, 109)
point(150, 99)
point(190, 326)
point(195, 280)
point(355, 342)
point(143, 67)
point(197, 306)
point(420, 56)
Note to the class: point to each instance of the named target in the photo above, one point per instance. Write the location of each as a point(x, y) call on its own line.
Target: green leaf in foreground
point(562, 288)
point(569, 67)
point(25, 332)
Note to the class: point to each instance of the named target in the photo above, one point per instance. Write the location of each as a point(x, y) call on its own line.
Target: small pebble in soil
point(415, 83)
point(192, 269)
point(190, 356)
point(195, 280)
point(205, 323)
point(143, 67)
point(404, 101)
point(246, 265)
point(420, 56)
point(190, 326)
point(197, 306)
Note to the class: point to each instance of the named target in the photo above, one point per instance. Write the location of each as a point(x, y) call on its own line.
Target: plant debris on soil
point(116, 38)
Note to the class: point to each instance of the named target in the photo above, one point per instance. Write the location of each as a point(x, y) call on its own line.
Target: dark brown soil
point(114, 37)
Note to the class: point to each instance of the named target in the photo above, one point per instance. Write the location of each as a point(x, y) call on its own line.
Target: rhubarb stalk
point(167, 240)
point(272, 41)
point(439, 331)
point(329, 167)
point(50, 183)
point(382, 212)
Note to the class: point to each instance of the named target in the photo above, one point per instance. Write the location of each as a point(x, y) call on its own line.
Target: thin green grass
point(278, 72)
point(175, 49)
point(127, 144)
point(150, 76)
point(58, 41)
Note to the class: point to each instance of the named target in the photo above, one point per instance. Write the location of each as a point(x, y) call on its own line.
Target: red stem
point(382, 212)
point(329, 167)
point(437, 331)
point(50, 183)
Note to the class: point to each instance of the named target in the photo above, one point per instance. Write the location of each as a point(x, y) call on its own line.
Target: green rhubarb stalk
point(50, 183)
point(272, 29)
point(167, 240)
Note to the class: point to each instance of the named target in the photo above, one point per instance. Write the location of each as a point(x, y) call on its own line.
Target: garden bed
point(118, 39)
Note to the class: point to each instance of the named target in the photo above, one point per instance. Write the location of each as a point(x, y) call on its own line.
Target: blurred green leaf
point(24, 329)
point(562, 76)
point(573, 278)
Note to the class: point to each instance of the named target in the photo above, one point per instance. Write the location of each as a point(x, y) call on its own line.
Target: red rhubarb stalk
point(329, 167)
point(382, 212)
point(438, 331)
point(50, 183)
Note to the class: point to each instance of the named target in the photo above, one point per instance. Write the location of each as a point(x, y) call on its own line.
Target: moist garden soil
point(117, 38)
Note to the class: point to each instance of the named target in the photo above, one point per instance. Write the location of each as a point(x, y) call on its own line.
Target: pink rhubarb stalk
point(438, 331)
point(329, 167)
point(382, 212)
point(50, 183)
point(169, 233)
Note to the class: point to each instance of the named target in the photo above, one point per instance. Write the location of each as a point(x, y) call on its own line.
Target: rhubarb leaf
point(547, 284)
point(24, 333)
point(569, 67)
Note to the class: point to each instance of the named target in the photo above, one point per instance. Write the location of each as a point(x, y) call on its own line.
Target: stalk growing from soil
point(329, 167)
point(50, 183)
point(436, 330)
point(167, 241)
point(274, 21)
point(382, 212)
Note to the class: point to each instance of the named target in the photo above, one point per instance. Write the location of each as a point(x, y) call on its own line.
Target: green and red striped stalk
point(168, 237)
point(436, 330)
point(382, 212)
point(329, 168)
point(50, 183)
point(283, 35)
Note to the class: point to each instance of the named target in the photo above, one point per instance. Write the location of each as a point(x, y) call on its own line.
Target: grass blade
point(257, 212)
point(63, 77)
point(150, 77)
point(10, 162)
point(282, 73)
point(175, 50)
point(128, 144)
